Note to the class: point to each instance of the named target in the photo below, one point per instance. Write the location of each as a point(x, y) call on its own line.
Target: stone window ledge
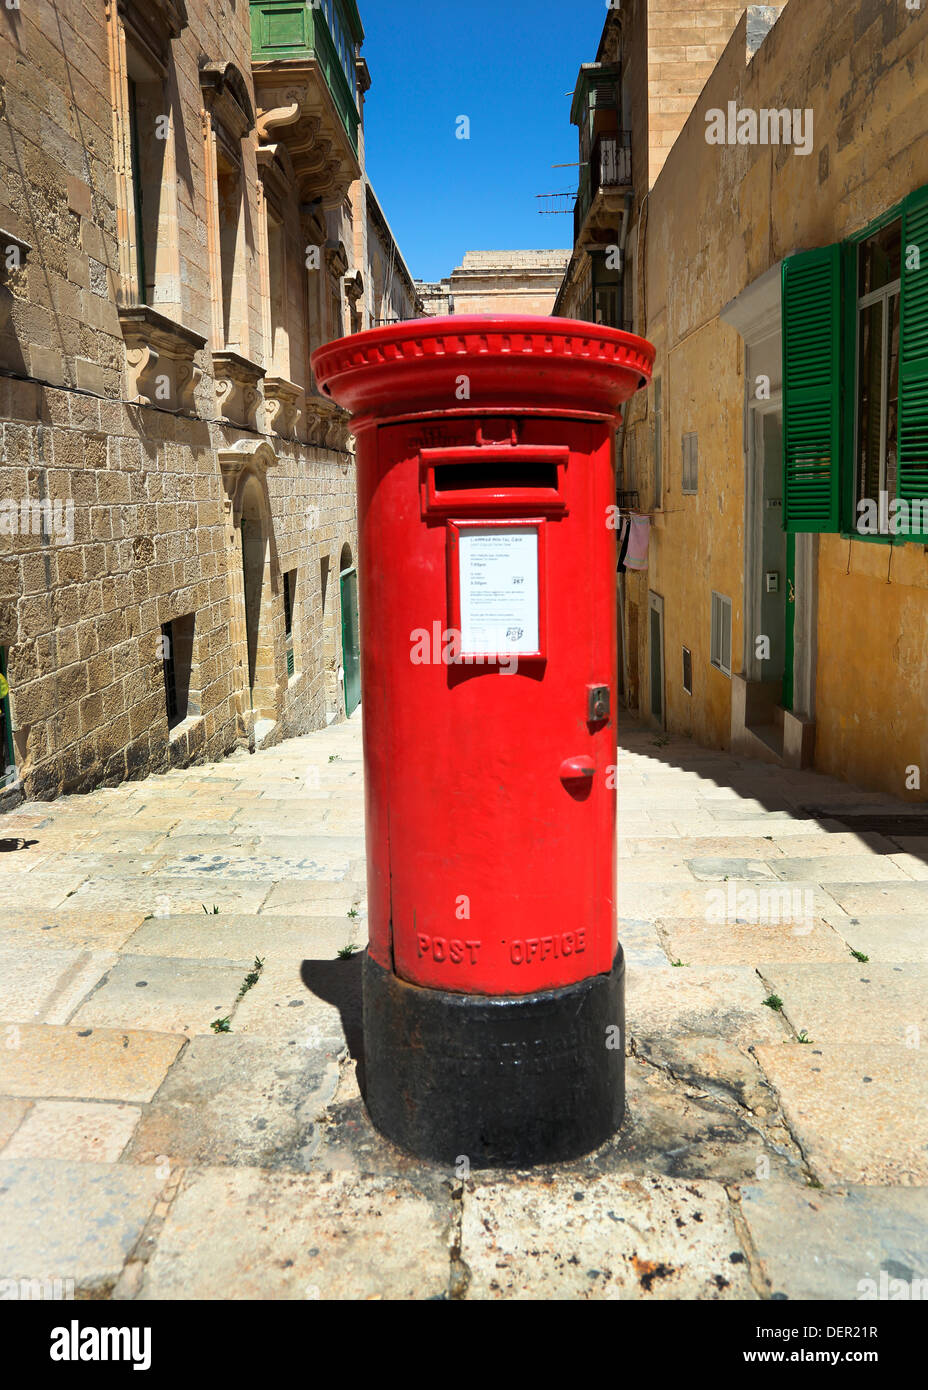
point(160, 359)
point(237, 395)
point(283, 406)
point(185, 727)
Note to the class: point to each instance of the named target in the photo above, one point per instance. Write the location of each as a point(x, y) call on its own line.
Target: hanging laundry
point(636, 554)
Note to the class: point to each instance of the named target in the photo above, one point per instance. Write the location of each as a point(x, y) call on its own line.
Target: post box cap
point(510, 361)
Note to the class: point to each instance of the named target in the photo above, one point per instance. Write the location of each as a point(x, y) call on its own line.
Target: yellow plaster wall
point(718, 217)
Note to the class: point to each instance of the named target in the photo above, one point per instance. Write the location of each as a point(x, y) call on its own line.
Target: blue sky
point(507, 65)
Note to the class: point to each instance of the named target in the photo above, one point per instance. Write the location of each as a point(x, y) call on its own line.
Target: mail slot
point(494, 981)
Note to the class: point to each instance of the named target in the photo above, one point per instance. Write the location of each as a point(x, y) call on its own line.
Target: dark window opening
point(324, 577)
point(879, 285)
point(289, 595)
point(230, 196)
point(149, 131)
point(8, 764)
point(176, 662)
point(467, 477)
point(687, 671)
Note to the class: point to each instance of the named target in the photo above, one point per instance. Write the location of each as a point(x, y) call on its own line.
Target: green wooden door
point(351, 640)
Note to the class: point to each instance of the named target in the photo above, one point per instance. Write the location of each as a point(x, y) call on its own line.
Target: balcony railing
point(612, 161)
point(610, 167)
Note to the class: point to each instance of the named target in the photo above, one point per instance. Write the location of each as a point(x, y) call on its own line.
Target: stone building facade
point(778, 264)
point(177, 500)
point(497, 282)
point(390, 293)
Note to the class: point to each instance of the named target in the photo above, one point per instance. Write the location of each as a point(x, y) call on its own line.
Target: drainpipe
point(620, 437)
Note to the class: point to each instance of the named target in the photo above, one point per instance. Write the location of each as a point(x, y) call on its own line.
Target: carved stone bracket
point(282, 406)
point(160, 359)
point(296, 108)
point(328, 426)
point(354, 287)
point(237, 393)
point(336, 258)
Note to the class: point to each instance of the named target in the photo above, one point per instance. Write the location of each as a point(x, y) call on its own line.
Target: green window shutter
point(913, 358)
point(812, 390)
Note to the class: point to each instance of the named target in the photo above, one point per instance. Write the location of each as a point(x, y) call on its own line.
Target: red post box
point(494, 981)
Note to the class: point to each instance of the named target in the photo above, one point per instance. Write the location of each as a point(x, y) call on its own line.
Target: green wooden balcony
point(285, 31)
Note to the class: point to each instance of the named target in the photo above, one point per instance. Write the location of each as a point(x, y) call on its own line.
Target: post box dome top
point(513, 362)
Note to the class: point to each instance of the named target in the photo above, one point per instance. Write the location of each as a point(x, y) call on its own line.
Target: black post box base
point(503, 1081)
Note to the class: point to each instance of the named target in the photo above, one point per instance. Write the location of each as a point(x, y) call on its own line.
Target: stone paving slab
point(637, 1238)
point(744, 943)
point(641, 944)
point(717, 1001)
point(166, 994)
point(887, 938)
point(46, 986)
point(238, 1100)
point(840, 844)
point(848, 1002)
point(242, 1233)
point(330, 899)
point(833, 868)
point(185, 893)
point(843, 1244)
point(657, 868)
point(12, 1113)
point(718, 868)
point(240, 936)
point(68, 927)
point(750, 827)
point(704, 847)
point(65, 1220)
point(859, 900)
point(857, 1111)
point(81, 1062)
point(50, 888)
point(306, 1002)
point(250, 864)
point(110, 862)
point(15, 864)
point(913, 865)
point(83, 1131)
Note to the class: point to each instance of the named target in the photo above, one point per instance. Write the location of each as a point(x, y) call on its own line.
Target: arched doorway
point(351, 631)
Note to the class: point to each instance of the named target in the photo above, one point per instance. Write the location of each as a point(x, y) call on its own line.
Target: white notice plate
point(499, 589)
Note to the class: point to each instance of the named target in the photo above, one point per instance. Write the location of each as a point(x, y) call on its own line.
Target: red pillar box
point(494, 982)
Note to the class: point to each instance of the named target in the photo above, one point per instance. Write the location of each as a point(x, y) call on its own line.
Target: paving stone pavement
point(180, 1113)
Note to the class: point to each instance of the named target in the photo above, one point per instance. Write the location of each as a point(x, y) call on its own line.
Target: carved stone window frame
point(150, 27)
point(228, 116)
point(283, 397)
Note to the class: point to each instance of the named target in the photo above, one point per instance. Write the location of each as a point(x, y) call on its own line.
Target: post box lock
point(597, 703)
point(580, 769)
